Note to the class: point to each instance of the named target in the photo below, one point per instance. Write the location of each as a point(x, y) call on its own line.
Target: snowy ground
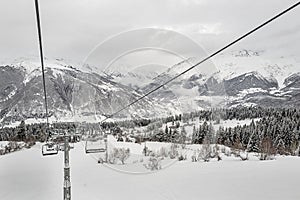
point(27, 175)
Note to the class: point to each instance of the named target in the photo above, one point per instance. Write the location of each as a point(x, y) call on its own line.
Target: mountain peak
point(246, 53)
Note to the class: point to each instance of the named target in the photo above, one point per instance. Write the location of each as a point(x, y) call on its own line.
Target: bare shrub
point(120, 154)
point(146, 151)
point(204, 154)
point(174, 151)
point(182, 157)
point(205, 151)
point(154, 162)
point(267, 150)
point(194, 156)
point(227, 152)
point(215, 152)
point(243, 155)
point(163, 152)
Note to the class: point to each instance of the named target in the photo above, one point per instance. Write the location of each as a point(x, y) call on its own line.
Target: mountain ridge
point(72, 88)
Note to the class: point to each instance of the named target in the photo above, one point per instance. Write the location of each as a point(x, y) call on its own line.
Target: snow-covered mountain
point(72, 94)
point(235, 78)
point(137, 77)
point(259, 78)
point(270, 66)
point(239, 78)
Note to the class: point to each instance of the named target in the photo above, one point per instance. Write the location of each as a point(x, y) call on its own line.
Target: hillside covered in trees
point(275, 130)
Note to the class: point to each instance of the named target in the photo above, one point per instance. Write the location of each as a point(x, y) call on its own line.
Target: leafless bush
point(120, 154)
point(227, 152)
point(204, 154)
point(182, 157)
point(174, 151)
point(243, 155)
point(154, 162)
point(215, 152)
point(205, 151)
point(194, 156)
point(267, 150)
point(163, 152)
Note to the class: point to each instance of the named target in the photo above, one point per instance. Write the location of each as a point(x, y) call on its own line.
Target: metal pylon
point(67, 178)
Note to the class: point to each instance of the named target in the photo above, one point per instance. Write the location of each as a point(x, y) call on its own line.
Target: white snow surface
point(27, 175)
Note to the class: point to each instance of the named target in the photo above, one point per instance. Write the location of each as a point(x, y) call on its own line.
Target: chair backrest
point(49, 149)
point(95, 146)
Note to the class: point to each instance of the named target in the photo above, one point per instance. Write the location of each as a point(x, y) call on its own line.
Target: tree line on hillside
point(33, 132)
point(277, 130)
point(280, 134)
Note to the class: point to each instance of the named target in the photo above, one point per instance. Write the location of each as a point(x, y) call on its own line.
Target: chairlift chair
point(95, 145)
point(50, 148)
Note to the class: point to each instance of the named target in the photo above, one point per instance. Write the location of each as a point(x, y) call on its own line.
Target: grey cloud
point(71, 28)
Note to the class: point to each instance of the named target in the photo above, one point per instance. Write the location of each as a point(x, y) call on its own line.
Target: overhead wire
point(205, 59)
point(165, 83)
point(39, 28)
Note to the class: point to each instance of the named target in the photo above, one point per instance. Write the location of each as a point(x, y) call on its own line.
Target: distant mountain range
point(73, 95)
point(239, 78)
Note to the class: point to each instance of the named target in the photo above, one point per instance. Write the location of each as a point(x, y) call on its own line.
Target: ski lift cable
point(41, 56)
point(205, 59)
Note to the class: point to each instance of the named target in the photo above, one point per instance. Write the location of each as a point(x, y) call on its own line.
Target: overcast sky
point(72, 28)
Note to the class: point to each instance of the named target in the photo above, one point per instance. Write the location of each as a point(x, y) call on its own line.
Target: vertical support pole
point(145, 148)
point(67, 182)
point(106, 149)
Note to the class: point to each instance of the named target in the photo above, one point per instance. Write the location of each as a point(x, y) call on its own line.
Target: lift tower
point(67, 177)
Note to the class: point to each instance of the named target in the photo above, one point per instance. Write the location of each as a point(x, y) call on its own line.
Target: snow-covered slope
point(29, 176)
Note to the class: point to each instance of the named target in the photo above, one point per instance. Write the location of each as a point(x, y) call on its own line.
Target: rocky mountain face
point(243, 78)
point(72, 94)
point(237, 78)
